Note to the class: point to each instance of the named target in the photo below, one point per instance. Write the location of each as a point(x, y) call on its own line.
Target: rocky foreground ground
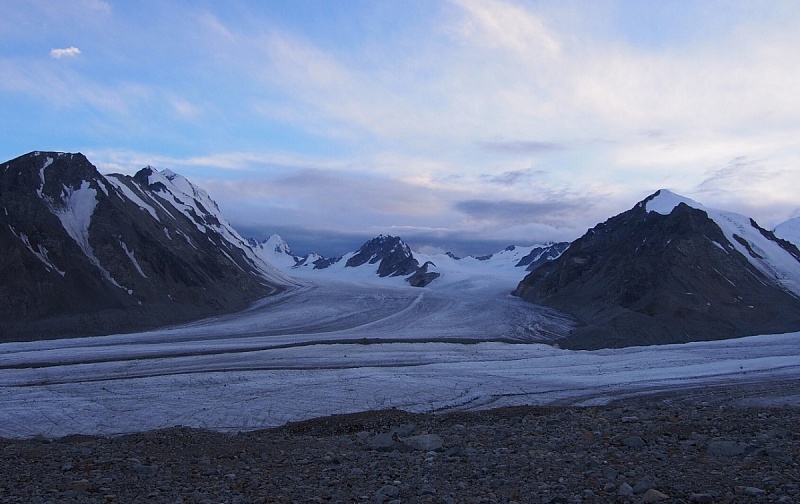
point(661, 448)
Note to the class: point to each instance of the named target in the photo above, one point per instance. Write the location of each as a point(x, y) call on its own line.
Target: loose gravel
point(667, 448)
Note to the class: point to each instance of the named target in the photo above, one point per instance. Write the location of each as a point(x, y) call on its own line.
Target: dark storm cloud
point(306, 240)
point(520, 146)
point(554, 213)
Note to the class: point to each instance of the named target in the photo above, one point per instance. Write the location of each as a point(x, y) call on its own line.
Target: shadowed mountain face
point(84, 254)
point(542, 255)
point(645, 277)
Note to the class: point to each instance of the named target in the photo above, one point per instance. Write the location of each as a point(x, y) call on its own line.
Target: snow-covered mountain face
point(671, 270)
point(789, 231)
point(275, 251)
point(82, 253)
point(529, 257)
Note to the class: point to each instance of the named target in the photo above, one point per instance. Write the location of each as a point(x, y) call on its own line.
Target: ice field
point(335, 346)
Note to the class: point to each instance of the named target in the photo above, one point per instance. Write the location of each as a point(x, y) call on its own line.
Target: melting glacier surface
point(334, 346)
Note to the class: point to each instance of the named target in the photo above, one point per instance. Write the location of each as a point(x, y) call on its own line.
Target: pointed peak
point(144, 173)
point(664, 201)
point(277, 244)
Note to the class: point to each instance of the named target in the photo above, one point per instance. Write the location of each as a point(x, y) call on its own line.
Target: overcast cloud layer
point(458, 124)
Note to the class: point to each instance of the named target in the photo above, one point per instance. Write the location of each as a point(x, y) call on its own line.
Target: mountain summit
point(670, 270)
point(390, 253)
point(82, 253)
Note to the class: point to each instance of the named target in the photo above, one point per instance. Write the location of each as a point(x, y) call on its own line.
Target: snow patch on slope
point(128, 193)
point(132, 257)
point(76, 216)
point(47, 163)
point(42, 253)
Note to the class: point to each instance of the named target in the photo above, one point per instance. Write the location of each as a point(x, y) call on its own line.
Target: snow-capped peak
point(197, 206)
point(275, 251)
point(664, 201)
point(179, 185)
point(277, 244)
point(743, 233)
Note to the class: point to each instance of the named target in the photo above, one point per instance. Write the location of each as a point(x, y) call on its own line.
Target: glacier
point(334, 344)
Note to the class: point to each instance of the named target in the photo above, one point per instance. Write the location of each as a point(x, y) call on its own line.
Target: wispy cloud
point(506, 25)
point(520, 146)
point(298, 120)
point(67, 88)
point(513, 177)
point(738, 172)
point(68, 52)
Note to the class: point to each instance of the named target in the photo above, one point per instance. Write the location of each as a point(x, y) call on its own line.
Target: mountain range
point(83, 253)
point(390, 256)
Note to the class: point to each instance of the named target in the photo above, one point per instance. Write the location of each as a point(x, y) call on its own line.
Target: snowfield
point(335, 346)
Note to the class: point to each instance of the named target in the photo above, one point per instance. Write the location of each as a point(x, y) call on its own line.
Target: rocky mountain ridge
point(669, 271)
point(82, 253)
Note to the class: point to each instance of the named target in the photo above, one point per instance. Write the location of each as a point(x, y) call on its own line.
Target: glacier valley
point(336, 344)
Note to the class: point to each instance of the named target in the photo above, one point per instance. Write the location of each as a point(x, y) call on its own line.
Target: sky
point(461, 125)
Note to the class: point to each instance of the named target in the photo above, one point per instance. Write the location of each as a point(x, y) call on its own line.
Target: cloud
point(185, 109)
point(303, 240)
point(69, 52)
point(373, 124)
point(520, 146)
point(738, 172)
point(763, 189)
point(508, 26)
point(504, 213)
point(512, 177)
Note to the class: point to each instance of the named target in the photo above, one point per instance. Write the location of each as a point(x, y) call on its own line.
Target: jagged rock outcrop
point(542, 255)
point(671, 271)
point(422, 277)
point(84, 254)
point(390, 253)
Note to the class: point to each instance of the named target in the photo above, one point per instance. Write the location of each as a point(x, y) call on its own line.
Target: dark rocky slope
point(84, 254)
point(390, 253)
point(644, 278)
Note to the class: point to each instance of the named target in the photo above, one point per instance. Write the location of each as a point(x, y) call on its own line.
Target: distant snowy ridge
point(789, 231)
point(388, 257)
